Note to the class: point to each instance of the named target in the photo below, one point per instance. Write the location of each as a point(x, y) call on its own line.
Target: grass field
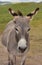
point(35, 24)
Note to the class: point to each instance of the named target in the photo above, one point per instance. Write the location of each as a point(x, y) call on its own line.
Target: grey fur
point(15, 30)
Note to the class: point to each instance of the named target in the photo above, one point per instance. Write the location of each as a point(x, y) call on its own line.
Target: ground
point(32, 59)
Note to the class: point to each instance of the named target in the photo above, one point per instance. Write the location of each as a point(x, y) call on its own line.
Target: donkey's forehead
point(21, 19)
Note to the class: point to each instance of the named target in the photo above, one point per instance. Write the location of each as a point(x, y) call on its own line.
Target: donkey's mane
point(19, 13)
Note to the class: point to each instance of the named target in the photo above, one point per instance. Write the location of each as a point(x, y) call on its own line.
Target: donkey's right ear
point(30, 15)
point(13, 13)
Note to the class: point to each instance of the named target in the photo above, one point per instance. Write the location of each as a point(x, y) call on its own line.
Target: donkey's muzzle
point(22, 49)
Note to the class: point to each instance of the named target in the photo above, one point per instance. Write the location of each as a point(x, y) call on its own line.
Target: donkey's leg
point(10, 59)
point(14, 59)
point(10, 62)
point(23, 60)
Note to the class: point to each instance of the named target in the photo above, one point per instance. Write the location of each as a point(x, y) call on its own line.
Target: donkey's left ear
point(30, 15)
point(13, 13)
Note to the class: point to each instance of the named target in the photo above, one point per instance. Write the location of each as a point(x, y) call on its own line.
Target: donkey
point(16, 36)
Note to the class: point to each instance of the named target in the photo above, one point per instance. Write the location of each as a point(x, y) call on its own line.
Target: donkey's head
point(22, 28)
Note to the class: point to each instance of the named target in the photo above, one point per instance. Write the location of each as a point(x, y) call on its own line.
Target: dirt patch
point(35, 59)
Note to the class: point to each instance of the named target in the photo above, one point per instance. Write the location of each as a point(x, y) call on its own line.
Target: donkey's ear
point(13, 13)
point(33, 13)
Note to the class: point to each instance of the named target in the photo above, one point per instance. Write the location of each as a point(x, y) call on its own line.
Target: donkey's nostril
point(22, 49)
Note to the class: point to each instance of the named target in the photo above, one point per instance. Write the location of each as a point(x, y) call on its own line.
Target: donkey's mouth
point(22, 49)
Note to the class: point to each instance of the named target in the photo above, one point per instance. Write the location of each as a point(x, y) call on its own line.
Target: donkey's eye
point(17, 31)
point(28, 29)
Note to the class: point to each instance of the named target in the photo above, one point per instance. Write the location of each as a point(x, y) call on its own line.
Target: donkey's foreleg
point(23, 60)
point(10, 62)
point(10, 59)
point(14, 59)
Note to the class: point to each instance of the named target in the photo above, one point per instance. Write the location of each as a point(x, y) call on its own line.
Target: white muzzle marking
point(22, 43)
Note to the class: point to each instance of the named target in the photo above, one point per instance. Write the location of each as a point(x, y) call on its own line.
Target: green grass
point(5, 17)
point(36, 23)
